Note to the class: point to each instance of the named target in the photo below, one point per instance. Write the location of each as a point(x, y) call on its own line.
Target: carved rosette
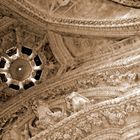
point(21, 68)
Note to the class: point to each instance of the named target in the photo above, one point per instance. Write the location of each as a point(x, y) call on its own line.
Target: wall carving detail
point(111, 113)
point(86, 71)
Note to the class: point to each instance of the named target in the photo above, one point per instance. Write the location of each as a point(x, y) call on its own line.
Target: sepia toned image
point(69, 69)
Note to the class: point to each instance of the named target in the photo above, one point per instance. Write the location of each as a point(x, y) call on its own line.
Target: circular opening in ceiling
point(20, 69)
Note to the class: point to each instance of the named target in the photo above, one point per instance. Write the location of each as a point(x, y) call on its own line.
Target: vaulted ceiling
point(79, 43)
point(68, 35)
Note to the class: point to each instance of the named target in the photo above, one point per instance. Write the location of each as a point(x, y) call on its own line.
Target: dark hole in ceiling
point(2, 63)
point(38, 74)
point(30, 84)
point(13, 86)
point(11, 52)
point(26, 51)
point(3, 77)
point(37, 61)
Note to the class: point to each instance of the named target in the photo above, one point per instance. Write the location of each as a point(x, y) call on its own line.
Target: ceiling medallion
point(20, 68)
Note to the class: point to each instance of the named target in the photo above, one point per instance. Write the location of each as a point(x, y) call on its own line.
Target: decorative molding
point(121, 27)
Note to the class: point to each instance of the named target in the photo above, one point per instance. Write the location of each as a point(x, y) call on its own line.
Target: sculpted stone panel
point(45, 118)
point(117, 79)
point(109, 114)
point(75, 102)
point(125, 77)
point(43, 112)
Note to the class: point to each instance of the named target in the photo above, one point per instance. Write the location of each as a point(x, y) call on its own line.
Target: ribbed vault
point(51, 51)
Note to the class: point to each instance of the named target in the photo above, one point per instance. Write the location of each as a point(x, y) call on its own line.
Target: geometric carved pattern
point(19, 68)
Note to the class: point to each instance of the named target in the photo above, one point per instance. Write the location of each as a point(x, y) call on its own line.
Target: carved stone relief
point(45, 118)
point(76, 102)
point(36, 125)
point(112, 78)
point(109, 114)
point(58, 111)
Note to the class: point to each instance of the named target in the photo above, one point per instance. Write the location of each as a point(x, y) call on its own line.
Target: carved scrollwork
point(81, 124)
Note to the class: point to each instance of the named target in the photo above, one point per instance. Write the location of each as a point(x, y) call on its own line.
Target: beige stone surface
point(69, 70)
